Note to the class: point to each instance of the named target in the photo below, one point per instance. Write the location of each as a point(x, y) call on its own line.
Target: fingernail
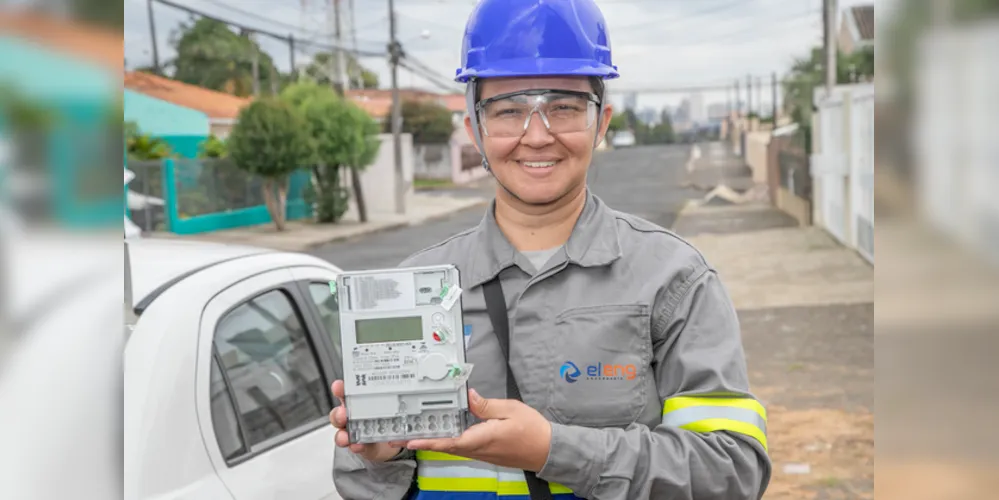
point(473, 396)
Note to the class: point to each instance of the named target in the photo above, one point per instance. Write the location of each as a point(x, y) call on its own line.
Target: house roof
point(210, 102)
point(863, 17)
point(84, 42)
point(378, 102)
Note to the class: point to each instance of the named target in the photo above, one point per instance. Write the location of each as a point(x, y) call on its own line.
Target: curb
point(392, 226)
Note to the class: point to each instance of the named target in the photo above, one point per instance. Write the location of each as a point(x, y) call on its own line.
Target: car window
point(271, 368)
point(329, 313)
point(224, 419)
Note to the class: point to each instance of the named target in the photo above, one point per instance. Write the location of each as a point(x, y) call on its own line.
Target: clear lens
point(560, 113)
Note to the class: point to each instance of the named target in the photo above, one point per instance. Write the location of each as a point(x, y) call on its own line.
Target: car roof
point(155, 262)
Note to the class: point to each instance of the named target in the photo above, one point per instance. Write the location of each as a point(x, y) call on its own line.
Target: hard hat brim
point(540, 67)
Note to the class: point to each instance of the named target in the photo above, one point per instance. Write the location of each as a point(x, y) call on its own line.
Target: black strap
point(496, 308)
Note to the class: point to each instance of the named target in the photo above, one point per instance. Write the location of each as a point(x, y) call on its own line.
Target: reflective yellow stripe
point(724, 424)
point(436, 455)
point(679, 403)
point(481, 485)
point(734, 414)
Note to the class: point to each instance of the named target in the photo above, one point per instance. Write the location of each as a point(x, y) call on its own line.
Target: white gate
point(831, 166)
point(862, 170)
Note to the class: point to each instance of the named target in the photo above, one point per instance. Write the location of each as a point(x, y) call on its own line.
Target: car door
point(263, 391)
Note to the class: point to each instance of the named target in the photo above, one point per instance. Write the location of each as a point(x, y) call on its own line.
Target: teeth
point(538, 164)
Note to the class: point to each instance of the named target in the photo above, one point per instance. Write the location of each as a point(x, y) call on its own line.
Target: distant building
point(631, 101)
point(697, 112)
point(648, 116)
point(221, 108)
point(717, 111)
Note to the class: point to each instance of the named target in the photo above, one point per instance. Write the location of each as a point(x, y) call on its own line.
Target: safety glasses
point(562, 111)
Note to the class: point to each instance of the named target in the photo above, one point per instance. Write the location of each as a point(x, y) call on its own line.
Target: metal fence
point(209, 186)
point(145, 195)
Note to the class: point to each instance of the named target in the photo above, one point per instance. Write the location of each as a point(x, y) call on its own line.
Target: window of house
point(271, 369)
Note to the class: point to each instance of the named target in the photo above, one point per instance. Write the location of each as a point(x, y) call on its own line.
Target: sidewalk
point(300, 236)
point(805, 306)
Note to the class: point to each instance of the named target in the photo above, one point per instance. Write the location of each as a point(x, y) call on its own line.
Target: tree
point(618, 122)
point(807, 74)
point(428, 121)
point(663, 132)
point(324, 64)
point(211, 55)
point(271, 139)
point(344, 136)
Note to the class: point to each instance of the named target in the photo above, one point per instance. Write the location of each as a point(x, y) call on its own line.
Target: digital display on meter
point(370, 331)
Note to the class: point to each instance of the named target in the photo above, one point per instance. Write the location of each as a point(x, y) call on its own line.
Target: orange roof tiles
point(210, 102)
point(378, 102)
point(98, 45)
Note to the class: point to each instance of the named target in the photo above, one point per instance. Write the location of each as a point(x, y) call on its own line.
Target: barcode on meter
point(396, 376)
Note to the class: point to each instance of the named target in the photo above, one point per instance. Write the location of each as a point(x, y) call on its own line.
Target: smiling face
point(540, 167)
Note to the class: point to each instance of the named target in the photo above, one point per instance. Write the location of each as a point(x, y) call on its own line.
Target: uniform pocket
point(603, 357)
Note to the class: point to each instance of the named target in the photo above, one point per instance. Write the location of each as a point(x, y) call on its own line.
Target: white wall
point(378, 180)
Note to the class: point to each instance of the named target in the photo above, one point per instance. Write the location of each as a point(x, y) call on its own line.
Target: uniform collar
point(593, 242)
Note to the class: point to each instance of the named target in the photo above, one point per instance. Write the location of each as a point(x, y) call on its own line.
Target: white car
point(623, 139)
point(227, 367)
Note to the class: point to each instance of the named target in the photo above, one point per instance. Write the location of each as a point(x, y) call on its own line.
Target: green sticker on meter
point(332, 287)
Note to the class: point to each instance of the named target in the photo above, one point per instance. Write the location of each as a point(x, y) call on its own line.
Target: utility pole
point(759, 95)
point(395, 52)
point(357, 75)
point(341, 55)
point(152, 36)
point(291, 53)
point(749, 94)
point(774, 97)
point(829, 43)
point(738, 98)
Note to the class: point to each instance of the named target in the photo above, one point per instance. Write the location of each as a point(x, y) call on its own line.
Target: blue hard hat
point(511, 38)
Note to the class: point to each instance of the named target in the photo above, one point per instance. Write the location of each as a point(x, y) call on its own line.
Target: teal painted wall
point(163, 119)
point(39, 73)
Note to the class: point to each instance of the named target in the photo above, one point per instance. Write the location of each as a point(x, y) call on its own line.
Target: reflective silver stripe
point(468, 469)
point(684, 416)
point(445, 468)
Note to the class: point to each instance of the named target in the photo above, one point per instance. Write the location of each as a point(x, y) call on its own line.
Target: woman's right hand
point(375, 452)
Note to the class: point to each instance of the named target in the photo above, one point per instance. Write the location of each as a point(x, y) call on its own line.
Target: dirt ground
point(814, 369)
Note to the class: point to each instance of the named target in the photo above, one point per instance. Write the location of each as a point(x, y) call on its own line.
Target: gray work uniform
point(627, 341)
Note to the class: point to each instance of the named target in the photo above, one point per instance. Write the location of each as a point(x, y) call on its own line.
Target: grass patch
point(432, 184)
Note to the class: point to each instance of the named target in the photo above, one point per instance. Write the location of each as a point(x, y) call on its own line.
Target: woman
point(626, 378)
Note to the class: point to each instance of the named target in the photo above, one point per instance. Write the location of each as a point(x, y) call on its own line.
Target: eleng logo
point(569, 371)
point(600, 371)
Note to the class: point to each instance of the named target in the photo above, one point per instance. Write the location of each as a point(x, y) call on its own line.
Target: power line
point(285, 38)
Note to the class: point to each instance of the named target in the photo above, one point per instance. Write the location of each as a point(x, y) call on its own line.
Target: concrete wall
point(432, 161)
point(756, 154)
point(378, 180)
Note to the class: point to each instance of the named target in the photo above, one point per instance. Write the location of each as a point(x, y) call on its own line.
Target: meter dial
point(434, 366)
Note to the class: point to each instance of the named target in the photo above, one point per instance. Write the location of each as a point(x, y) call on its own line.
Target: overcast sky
point(657, 44)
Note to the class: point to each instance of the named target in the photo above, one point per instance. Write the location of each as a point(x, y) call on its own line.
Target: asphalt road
point(644, 181)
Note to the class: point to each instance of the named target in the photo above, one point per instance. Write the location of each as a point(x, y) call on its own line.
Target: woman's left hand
point(511, 435)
